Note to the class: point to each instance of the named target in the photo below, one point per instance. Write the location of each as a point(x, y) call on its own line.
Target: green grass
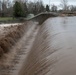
point(6, 19)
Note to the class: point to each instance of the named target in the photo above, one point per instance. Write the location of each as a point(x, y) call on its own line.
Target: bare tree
point(0, 5)
point(4, 7)
point(36, 7)
point(22, 1)
point(72, 8)
point(40, 6)
point(64, 5)
point(54, 8)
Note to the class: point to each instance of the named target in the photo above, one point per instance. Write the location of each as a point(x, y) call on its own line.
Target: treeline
point(6, 8)
point(20, 8)
point(24, 8)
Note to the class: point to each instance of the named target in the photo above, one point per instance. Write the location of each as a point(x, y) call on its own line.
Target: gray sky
point(57, 2)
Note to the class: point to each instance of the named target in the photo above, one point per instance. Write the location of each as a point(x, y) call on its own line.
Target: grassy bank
point(10, 20)
point(6, 19)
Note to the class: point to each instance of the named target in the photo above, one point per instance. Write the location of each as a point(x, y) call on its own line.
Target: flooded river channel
point(62, 33)
point(54, 49)
point(47, 49)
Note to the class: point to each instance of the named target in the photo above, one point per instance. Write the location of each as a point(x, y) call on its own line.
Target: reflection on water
point(64, 22)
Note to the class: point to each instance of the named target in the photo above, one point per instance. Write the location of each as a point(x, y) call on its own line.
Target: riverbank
point(8, 20)
point(20, 40)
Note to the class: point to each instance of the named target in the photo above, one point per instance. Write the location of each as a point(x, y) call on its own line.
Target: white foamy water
point(12, 24)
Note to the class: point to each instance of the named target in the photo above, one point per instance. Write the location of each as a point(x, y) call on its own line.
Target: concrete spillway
point(54, 49)
point(47, 49)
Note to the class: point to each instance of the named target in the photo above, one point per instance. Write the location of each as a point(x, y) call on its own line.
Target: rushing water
point(54, 49)
point(12, 24)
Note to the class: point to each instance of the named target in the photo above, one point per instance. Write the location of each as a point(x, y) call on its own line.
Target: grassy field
point(10, 20)
point(6, 19)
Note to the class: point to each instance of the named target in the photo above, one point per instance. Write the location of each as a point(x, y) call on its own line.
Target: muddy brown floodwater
point(47, 49)
point(54, 49)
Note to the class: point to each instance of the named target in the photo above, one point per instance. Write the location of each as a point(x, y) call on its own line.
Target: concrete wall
point(40, 18)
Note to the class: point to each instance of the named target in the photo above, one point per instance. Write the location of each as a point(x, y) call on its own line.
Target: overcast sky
point(57, 2)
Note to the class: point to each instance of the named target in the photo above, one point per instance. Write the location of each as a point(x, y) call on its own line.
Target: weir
point(54, 49)
point(40, 18)
point(16, 40)
point(12, 36)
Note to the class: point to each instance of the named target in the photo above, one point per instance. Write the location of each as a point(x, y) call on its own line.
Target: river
point(54, 49)
point(47, 49)
point(63, 38)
